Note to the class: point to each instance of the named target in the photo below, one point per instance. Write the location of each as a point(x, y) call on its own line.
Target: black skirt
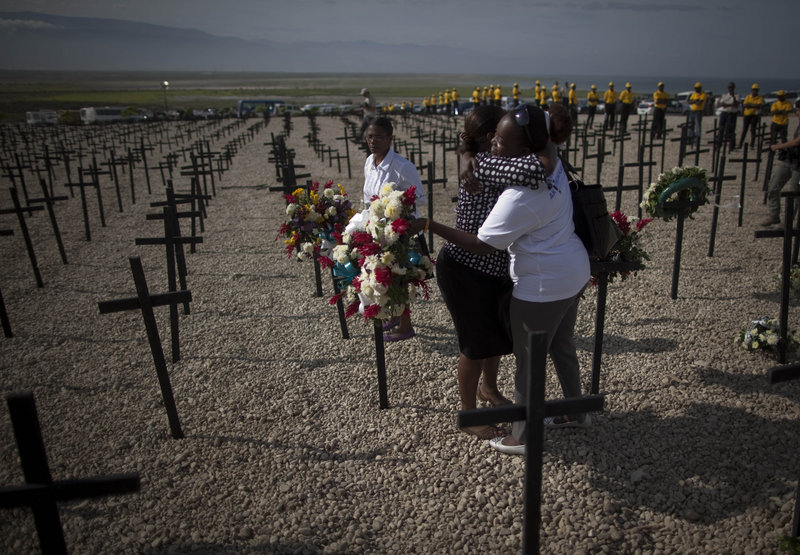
point(478, 304)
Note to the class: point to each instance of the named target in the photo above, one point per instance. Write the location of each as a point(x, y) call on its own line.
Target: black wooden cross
point(19, 211)
point(40, 492)
point(174, 248)
point(3, 312)
point(744, 160)
point(534, 414)
point(145, 302)
point(15, 173)
point(112, 164)
point(718, 179)
point(82, 186)
point(638, 187)
point(346, 151)
point(430, 181)
point(790, 231)
point(194, 198)
point(143, 150)
point(95, 173)
point(49, 202)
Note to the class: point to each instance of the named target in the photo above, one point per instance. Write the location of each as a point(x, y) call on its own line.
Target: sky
point(717, 38)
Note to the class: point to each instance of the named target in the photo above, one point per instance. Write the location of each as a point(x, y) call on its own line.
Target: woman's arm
point(467, 241)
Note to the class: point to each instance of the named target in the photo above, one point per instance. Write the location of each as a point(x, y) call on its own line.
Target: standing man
point(729, 102)
point(753, 104)
point(537, 93)
point(476, 97)
point(515, 94)
point(659, 112)
point(780, 110)
point(786, 170)
point(555, 94)
point(593, 99)
point(368, 111)
point(573, 105)
point(610, 98)
point(454, 100)
point(542, 97)
point(626, 106)
point(697, 104)
point(498, 95)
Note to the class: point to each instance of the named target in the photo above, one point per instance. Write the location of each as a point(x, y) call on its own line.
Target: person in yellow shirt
point(753, 104)
point(555, 94)
point(498, 95)
point(446, 102)
point(697, 104)
point(626, 107)
point(780, 111)
point(572, 104)
point(592, 99)
point(454, 102)
point(659, 112)
point(476, 97)
point(543, 97)
point(515, 94)
point(610, 98)
point(537, 93)
point(485, 96)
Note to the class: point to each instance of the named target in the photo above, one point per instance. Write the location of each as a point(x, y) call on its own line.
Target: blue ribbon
point(345, 272)
point(414, 257)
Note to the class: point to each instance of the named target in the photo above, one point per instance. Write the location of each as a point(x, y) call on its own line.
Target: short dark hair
point(383, 123)
point(478, 123)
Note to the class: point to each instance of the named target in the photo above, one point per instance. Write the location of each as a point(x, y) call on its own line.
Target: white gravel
point(286, 450)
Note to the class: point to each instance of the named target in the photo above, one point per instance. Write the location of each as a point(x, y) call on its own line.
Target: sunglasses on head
point(523, 118)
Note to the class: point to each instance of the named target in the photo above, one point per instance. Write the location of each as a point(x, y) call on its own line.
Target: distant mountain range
point(37, 41)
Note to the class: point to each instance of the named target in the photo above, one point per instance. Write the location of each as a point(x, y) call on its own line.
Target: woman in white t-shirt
point(549, 265)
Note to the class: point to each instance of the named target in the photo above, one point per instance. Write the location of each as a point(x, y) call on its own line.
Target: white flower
point(387, 258)
point(291, 209)
point(387, 188)
point(328, 193)
point(341, 254)
point(307, 248)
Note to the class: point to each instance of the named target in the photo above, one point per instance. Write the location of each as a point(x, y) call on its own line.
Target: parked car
point(647, 107)
point(583, 106)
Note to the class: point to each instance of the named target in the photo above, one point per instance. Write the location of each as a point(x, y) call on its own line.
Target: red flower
point(643, 222)
point(410, 196)
point(366, 250)
point(289, 198)
point(351, 309)
point(356, 283)
point(361, 238)
point(400, 225)
point(325, 262)
point(335, 299)
point(329, 184)
point(384, 276)
point(622, 221)
point(371, 311)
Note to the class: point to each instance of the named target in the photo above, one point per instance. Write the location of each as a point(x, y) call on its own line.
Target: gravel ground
point(286, 450)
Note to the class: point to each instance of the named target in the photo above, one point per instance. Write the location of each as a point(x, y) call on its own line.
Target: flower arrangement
point(314, 217)
point(376, 264)
point(764, 335)
point(794, 280)
point(678, 184)
point(628, 247)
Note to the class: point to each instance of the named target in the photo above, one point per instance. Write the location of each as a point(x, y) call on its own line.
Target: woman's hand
point(467, 176)
point(417, 225)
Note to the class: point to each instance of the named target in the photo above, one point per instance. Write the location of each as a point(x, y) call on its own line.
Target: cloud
point(14, 24)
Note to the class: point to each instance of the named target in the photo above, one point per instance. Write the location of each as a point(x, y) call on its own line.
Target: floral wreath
point(628, 248)
point(679, 184)
point(764, 335)
point(376, 262)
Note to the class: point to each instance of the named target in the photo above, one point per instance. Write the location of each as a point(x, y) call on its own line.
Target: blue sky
point(717, 38)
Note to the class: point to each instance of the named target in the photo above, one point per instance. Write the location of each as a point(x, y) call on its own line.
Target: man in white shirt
point(729, 102)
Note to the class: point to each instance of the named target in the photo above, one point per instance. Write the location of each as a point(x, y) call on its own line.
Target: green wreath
point(679, 184)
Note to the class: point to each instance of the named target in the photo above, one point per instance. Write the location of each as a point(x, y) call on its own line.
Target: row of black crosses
point(538, 409)
point(40, 492)
point(39, 150)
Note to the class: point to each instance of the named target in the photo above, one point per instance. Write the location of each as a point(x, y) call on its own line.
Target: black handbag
point(593, 224)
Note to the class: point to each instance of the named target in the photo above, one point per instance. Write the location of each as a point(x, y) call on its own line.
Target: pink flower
point(622, 221)
point(643, 222)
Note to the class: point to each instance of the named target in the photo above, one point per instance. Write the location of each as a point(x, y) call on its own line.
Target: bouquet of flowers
point(678, 184)
point(314, 217)
point(376, 264)
point(628, 248)
point(764, 335)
